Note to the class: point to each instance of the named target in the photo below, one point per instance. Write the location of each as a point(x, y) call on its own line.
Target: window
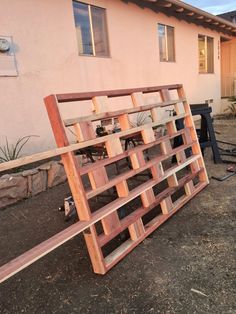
point(206, 54)
point(91, 29)
point(166, 43)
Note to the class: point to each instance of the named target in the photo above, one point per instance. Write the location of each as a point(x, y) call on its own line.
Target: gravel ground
point(186, 266)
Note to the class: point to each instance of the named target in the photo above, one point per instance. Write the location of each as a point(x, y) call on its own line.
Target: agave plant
point(10, 152)
point(141, 118)
point(231, 109)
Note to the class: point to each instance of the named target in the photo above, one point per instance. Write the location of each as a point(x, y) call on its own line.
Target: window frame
point(92, 31)
point(206, 71)
point(166, 43)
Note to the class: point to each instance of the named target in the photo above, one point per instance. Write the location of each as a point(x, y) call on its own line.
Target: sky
point(214, 6)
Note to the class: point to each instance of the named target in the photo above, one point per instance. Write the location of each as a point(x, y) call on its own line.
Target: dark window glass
point(166, 43)
point(91, 29)
point(206, 54)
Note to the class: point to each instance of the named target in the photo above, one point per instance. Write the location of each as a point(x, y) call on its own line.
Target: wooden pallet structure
point(102, 227)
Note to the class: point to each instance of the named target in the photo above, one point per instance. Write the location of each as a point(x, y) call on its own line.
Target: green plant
point(231, 109)
point(10, 152)
point(141, 119)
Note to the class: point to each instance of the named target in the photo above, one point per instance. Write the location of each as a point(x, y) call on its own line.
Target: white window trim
point(92, 34)
point(166, 44)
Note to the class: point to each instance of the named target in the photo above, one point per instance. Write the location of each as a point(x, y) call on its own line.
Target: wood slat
point(129, 245)
point(129, 219)
point(107, 215)
point(124, 176)
point(104, 162)
point(74, 147)
point(69, 97)
point(117, 113)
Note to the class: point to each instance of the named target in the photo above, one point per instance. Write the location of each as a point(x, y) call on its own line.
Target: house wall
point(48, 62)
point(228, 68)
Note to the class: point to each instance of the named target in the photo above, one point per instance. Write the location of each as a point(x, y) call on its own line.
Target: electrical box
point(7, 57)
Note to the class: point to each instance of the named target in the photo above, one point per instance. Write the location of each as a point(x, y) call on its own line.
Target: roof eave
point(191, 14)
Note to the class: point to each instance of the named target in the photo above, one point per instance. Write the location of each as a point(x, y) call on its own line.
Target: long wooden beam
point(112, 114)
point(128, 174)
point(73, 147)
point(70, 97)
point(29, 257)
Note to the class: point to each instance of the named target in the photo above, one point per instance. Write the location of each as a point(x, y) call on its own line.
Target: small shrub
point(231, 109)
point(11, 152)
point(141, 118)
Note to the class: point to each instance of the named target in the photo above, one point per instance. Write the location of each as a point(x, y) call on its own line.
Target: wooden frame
point(192, 180)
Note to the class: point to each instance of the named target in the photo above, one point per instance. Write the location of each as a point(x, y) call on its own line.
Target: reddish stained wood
point(29, 257)
point(172, 181)
point(63, 150)
point(117, 113)
point(84, 131)
point(94, 250)
point(129, 245)
point(97, 177)
point(126, 221)
point(114, 148)
point(112, 93)
point(69, 161)
point(136, 229)
point(166, 205)
point(166, 147)
point(165, 94)
point(181, 157)
point(189, 122)
point(72, 170)
point(154, 164)
point(105, 162)
point(171, 127)
point(189, 188)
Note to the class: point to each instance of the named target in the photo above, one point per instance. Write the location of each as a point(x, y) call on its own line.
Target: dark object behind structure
point(206, 132)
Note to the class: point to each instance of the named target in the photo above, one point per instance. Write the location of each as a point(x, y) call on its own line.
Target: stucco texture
point(48, 62)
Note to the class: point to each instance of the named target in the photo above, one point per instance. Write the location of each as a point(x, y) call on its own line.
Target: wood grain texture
point(163, 173)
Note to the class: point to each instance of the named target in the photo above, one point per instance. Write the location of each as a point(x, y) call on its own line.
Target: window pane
point(83, 30)
point(162, 42)
point(210, 55)
point(170, 43)
point(100, 31)
point(202, 54)
point(206, 54)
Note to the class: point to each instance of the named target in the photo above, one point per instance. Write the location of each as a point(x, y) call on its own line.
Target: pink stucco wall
point(48, 61)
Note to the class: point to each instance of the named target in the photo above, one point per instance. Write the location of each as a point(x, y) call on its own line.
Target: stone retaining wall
point(18, 186)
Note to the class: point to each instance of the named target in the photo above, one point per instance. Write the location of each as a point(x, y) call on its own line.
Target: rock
point(10, 175)
point(5, 176)
point(12, 189)
point(29, 172)
point(45, 166)
point(56, 174)
point(37, 183)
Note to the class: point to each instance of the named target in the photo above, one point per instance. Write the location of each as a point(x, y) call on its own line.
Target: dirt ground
point(192, 253)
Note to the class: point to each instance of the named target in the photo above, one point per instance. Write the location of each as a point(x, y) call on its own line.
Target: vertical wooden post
point(196, 146)
point(69, 161)
point(77, 189)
